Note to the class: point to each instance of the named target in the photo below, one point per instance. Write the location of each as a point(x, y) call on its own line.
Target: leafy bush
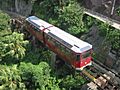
point(73, 81)
point(13, 45)
point(70, 18)
point(103, 28)
point(4, 18)
point(38, 76)
point(66, 14)
point(88, 21)
point(118, 11)
point(10, 78)
point(114, 38)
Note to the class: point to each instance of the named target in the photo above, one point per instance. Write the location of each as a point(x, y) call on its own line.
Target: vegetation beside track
point(24, 67)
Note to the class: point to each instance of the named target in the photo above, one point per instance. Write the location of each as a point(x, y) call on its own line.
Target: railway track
point(108, 69)
point(99, 80)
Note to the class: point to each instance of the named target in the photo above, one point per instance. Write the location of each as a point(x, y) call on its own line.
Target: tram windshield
point(86, 54)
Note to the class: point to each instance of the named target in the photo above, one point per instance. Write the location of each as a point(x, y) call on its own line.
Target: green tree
point(118, 11)
point(70, 18)
point(104, 28)
point(88, 21)
point(4, 19)
point(10, 78)
point(66, 14)
point(12, 45)
point(114, 39)
point(73, 81)
point(38, 76)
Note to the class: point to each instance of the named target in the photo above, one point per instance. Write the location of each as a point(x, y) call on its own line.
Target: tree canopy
point(66, 14)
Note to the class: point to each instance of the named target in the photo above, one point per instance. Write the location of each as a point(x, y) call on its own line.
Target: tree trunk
point(16, 6)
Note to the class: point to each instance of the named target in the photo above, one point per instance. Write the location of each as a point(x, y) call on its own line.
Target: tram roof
point(65, 38)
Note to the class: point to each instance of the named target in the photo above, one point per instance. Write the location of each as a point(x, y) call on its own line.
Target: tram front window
point(86, 54)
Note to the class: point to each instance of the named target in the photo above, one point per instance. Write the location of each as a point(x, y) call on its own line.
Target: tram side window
point(73, 55)
point(62, 48)
point(67, 51)
point(77, 57)
point(35, 28)
point(46, 36)
point(51, 40)
point(57, 44)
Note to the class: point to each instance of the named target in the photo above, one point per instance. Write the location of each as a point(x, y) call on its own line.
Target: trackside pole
point(53, 59)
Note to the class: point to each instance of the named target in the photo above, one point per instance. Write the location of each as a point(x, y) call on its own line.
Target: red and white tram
point(71, 49)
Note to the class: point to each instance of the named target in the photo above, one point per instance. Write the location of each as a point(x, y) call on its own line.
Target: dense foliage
point(38, 76)
point(24, 67)
point(13, 45)
point(4, 24)
point(111, 35)
point(10, 78)
point(114, 37)
point(118, 11)
point(70, 19)
point(73, 82)
point(66, 14)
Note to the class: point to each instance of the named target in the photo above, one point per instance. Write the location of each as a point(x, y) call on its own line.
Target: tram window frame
point(57, 44)
point(77, 58)
point(38, 29)
point(51, 40)
point(62, 48)
point(69, 53)
point(35, 28)
point(74, 56)
point(46, 37)
point(85, 54)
